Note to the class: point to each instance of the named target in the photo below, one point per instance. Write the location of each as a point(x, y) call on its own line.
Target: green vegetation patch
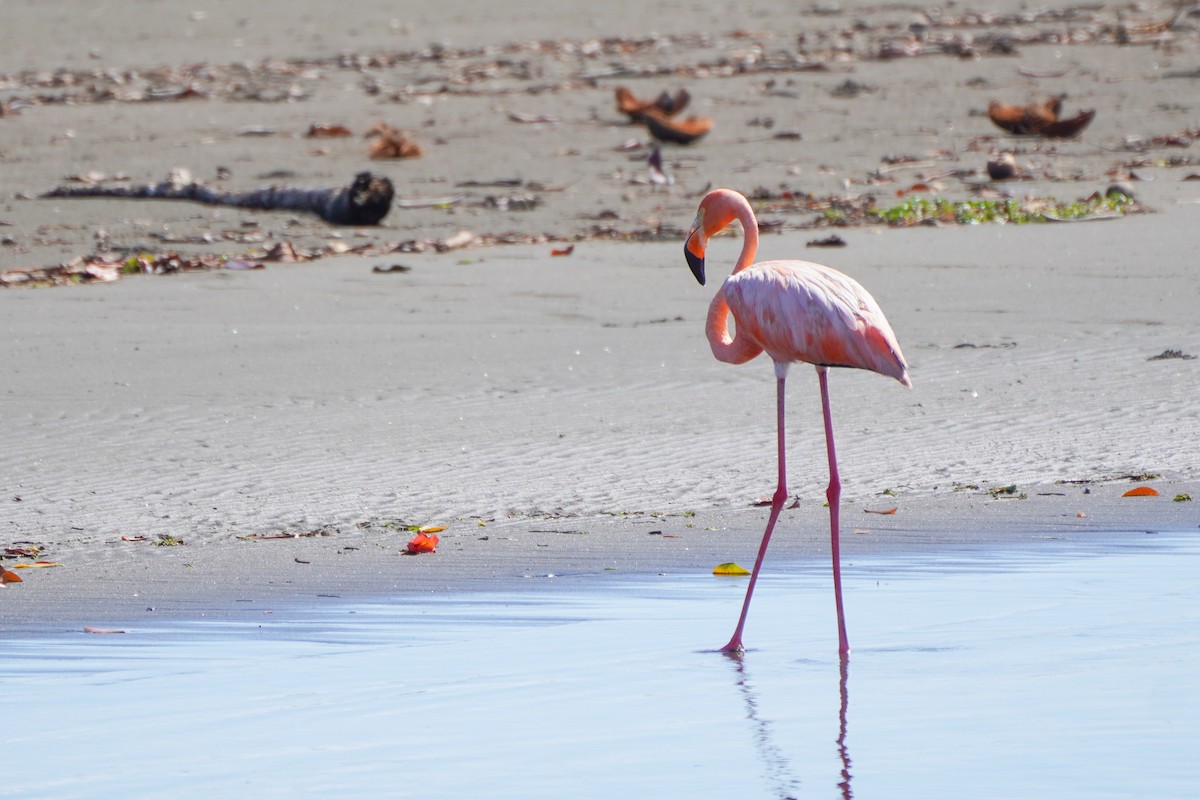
point(919, 210)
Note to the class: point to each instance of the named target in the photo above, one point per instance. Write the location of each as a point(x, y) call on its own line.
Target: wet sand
point(562, 416)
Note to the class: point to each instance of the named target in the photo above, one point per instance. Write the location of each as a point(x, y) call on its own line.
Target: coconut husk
point(666, 103)
point(679, 131)
point(391, 143)
point(1039, 119)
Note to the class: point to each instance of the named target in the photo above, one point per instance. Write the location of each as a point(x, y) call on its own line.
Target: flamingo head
point(695, 245)
point(717, 210)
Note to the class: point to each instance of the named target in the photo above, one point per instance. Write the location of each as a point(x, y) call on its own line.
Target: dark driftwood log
point(366, 201)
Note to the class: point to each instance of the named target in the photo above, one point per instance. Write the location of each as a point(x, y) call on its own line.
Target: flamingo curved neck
point(735, 349)
point(738, 348)
point(745, 215)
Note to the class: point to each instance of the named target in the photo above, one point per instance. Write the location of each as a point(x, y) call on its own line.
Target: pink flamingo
point(794, 311)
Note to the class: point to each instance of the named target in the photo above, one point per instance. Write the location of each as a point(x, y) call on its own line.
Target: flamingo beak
point(693, 249)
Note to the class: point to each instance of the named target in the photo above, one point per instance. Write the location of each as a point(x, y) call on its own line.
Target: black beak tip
point(696, 264)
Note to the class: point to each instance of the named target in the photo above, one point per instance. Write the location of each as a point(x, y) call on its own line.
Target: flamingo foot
point(735, 647)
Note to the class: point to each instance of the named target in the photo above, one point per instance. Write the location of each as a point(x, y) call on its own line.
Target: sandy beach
point(562, 416)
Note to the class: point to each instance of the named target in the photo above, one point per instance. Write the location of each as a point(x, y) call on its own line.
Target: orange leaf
point(9, 577)
point(563, 251)
point(889, 511)
point(423, 543)
point(1141, 491)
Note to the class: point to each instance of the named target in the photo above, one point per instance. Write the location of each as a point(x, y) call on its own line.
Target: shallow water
point(1061, 673)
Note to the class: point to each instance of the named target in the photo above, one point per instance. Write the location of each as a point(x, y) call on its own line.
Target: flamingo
point(795, 311)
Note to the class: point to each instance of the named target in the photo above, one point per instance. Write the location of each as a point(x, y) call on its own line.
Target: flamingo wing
point(800, 311)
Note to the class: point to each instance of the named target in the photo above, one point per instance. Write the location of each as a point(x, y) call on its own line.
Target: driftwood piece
point(365, 201)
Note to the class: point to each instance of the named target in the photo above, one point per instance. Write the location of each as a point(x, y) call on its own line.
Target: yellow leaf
point(37, 564)
point(431, 529)
point(729, 568)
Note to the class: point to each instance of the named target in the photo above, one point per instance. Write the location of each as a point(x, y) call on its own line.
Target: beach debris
point(305, 535)
point(1166, 355)
point(7, 577)
point(1031, 72)
point(391, 142)
point(441, 201)
point(321, 130)
point(677, 131)
point(1002, 167)
point(658, 173)
point(32, 550)
point(1039, 118)
point(885, 512)
point(832, 240)
point(168, 540)
point(533, 119)
point(1000, 492)
point(125, 538)
point(849, 88)
point(520, 201)
point(731, 569)
point(365, 201)
point(422, 543)
point(1183, 497)
point(666, 104)
point(37, 565)
point(103, 631)
point(1141, 491)
point(391, 268)
point(921, 187)
point(563, 251)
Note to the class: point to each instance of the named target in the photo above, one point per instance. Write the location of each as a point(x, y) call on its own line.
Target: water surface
point(1053, 672)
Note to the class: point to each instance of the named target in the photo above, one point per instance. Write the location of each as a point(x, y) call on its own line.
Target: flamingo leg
point(834, 495)
point(777, 501)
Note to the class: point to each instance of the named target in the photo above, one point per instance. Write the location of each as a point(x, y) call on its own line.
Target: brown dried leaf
point(319, 130)
point(391, 143)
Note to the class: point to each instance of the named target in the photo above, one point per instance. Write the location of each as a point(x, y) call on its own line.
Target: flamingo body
point(797, 311)
point(794, 311)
